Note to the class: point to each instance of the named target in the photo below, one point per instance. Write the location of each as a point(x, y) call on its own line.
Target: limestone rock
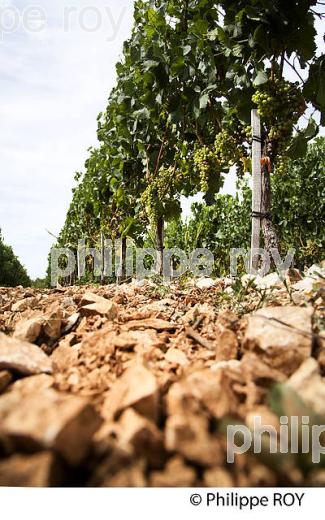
point(23, 357)
point(35, 471)
point(306, 285)
point(221, 365)
point(99, 305)
point(32, 384)
point(187, 429)
point(136, 388)
point(251, 279)
point(23, 305)
point(281, 335)
point(28, 330)
point(177, 357)
point(128, 477)
point(316, 478)
point(218, 478)
point(262, 283)
point(175, 474)
point(143, 435)
point(150, 323)
point(205, 283)
point(264, 416)
point(269, 281)
point(52, 322)
point(63, 356)
point(309, 385)
point(203, 389)
point(188, 434)
point(228, 347)
point(316, 271)
point(48, 420)
point(90, 297)
point(71, 322)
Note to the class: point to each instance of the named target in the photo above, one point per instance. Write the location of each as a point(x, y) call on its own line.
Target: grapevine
point(161, 191)
point(280, 105)
point(207, 164)
point(228, 150)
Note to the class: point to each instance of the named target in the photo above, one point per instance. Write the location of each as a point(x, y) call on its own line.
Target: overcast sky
point(53, 84)
point(57, 67)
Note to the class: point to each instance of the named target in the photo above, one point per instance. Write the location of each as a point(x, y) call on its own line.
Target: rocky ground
point(134, 385)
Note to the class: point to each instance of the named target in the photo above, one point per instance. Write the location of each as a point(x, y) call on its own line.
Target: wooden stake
point(256, 190)
point(102, 252)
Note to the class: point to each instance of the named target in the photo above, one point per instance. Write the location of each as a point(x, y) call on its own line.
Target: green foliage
point(12, 273)
point(40, 283)
point(299, 209)
point(299, 205)
point(218, 227)
point(177, 119)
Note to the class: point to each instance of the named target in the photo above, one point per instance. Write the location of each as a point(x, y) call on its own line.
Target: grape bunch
point(207, 164)
point(282, 164)
point(161, 191)
point(280, 104)
point(247, 134)
point(228, 150)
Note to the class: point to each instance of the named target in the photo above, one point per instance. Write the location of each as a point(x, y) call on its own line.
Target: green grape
point(282, 164)
point(207, 165)
point(280, 105)
point(228, 150)
point(164, 188)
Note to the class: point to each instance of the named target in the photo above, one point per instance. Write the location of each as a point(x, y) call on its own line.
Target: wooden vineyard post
point(78, 263)
point(102, 253)
point(160, 244)
point(256, 190)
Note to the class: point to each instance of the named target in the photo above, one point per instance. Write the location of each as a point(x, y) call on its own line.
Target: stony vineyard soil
point(135, 385)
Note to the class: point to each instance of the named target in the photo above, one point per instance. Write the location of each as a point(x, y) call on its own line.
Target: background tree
point(12, 273)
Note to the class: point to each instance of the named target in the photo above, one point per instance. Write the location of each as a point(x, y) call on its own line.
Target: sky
point(54, 80)
point(57, 67)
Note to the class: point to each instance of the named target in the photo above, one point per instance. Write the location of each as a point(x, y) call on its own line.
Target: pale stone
point(48, 420)
point(269, 281)
point(28, 471)
point(28, 330)
point(282, 335)
point(218, 478)
point(104, 307)
point(71, 322)
point(63, 357)
point(251, 279)
point(150, 323)
point(176, 474)
point(137, 388)
point(309, 385)
point(23, 357)
point(176, 356)
point(205, 283)
point(52, 322)
point(23, 305)
point(305, 285)
point(32, 384)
